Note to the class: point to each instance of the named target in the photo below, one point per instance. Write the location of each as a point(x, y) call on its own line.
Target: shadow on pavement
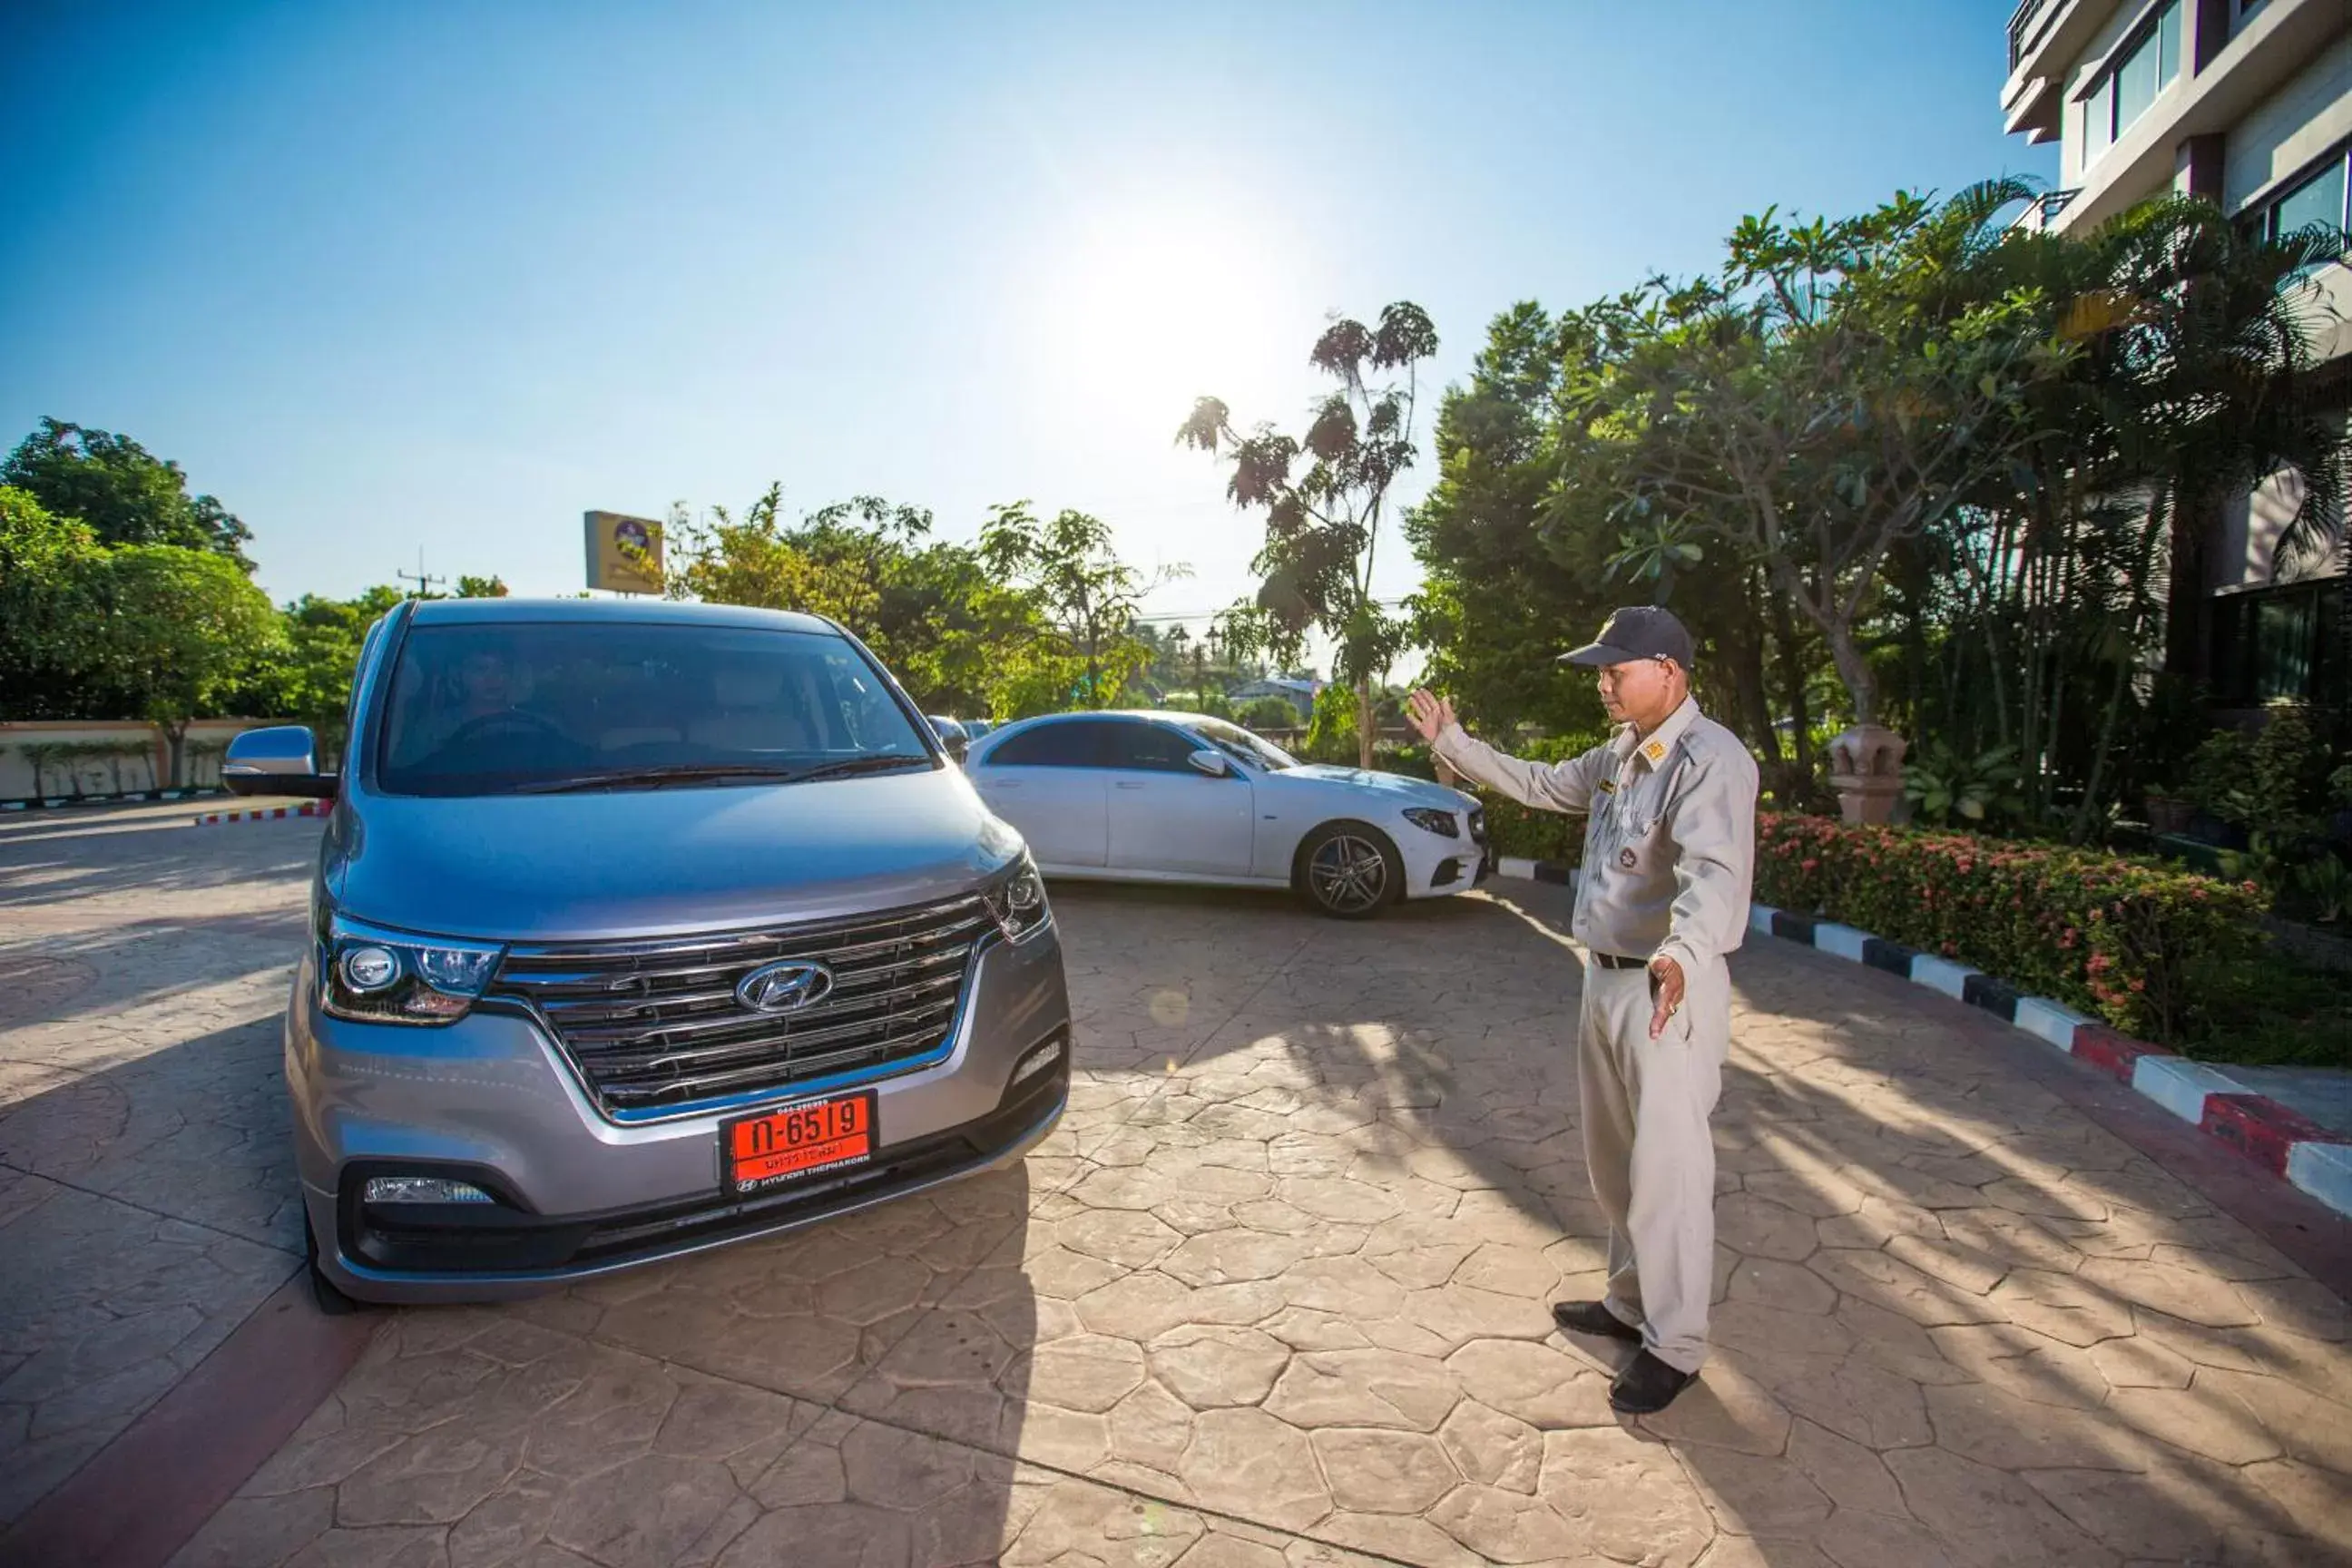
point(1286, 1267)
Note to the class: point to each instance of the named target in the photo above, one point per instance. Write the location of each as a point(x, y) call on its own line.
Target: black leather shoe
point(1647, 1385)
point(1593, 1318)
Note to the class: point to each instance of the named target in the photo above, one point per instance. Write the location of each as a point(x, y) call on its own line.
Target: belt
point(1613, 961)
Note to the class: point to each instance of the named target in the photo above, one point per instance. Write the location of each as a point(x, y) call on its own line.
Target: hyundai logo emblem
point(784, 987)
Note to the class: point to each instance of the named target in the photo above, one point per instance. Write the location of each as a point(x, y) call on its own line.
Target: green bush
point(1515, 829)
point(1269, 714)
point(2275, 778)
point(1331, 731)
point(2134, 941)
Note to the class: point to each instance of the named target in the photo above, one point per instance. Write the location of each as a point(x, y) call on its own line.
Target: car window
point(1137, 743)
point(1071, 744)
point(1239, 742)
point(485, 709)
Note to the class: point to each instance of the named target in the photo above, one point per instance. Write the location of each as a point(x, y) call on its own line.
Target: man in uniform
point(1669, 853)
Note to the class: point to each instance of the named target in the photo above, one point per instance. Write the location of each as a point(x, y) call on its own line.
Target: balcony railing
point(2021, 27)
point(2044, 209)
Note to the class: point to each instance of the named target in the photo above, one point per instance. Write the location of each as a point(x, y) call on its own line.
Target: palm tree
point(2215, 359)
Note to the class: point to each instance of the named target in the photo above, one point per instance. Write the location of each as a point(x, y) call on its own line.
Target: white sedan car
point(1176, 797)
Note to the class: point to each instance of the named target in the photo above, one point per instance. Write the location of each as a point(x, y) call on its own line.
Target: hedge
point(1515, 829)
point(2138, 943)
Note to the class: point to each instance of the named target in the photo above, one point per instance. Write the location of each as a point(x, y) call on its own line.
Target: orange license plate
point(776, 1147)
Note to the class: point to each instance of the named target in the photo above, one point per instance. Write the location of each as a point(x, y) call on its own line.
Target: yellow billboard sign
point(624, 554)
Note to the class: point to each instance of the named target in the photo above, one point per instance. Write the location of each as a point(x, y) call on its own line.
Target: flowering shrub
point(2137, 942)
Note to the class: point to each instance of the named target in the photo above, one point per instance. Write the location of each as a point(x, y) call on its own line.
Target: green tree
point(1813, 406)
point(125, 493)
point(185, 629)
point(309, 679)
point(481, 587)
point(952, 631)
point(1323, 526)
point(51, 617)
point(1088, 595)
point(1499, 600)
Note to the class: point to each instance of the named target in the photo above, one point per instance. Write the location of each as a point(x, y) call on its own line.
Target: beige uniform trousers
point(1647, 1142)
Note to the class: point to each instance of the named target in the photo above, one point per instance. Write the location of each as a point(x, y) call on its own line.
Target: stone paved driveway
point(1276, 1292)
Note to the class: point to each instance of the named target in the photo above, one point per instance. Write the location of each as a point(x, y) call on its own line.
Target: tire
point(1349, 871)
point(323, 1291)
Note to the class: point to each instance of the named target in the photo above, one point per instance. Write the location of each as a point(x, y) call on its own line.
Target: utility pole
point(424, 584)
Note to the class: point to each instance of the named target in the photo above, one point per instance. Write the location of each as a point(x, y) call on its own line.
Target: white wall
point(2246, 551)
point(97, 776)
point(2295, 124)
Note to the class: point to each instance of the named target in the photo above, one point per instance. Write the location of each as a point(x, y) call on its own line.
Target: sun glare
point(1150, 311)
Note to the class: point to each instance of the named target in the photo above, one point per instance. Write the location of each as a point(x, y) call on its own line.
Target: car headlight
point(1017, 902)
point(395, 977)
point(1430, 818)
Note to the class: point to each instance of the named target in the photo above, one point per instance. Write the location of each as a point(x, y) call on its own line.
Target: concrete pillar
point(2196, 166)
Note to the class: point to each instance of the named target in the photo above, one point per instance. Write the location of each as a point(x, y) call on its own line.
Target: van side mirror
point(283, 760)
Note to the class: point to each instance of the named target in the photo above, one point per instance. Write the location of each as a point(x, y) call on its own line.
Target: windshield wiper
point(848, 765)
point(673, 773)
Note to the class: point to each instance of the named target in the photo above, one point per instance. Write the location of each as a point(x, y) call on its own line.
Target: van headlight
point(1017, 901)
point(380, 977)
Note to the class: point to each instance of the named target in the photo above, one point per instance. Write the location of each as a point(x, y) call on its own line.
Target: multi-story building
point(2248, 103)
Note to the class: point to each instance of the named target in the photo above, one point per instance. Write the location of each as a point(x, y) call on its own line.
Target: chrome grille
point(655, 1027)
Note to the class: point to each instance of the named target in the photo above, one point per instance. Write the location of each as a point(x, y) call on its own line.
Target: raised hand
point(1429, 714)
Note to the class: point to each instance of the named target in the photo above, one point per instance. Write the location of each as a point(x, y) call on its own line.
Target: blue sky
point(441, 277)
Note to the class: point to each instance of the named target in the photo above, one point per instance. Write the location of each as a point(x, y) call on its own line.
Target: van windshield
point(526, 706)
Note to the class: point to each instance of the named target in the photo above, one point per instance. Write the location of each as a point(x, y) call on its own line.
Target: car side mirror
point(956, 748)
point(1213, 763)
point(283, 760)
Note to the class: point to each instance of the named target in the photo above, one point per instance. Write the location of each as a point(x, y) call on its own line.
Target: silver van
point(640, 928)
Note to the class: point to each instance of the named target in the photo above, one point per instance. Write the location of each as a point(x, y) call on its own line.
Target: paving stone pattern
point(147, 1205)
point(1275, 1293)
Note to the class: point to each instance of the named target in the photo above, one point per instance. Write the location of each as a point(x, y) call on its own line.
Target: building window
point(2317, 198)
point(2143, 69)
point(2281, 642)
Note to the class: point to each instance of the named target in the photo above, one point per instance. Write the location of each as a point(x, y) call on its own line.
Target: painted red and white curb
point(261, 814)
point(2282, 1141)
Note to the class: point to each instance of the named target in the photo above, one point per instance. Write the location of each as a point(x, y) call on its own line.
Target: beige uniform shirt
point(1669, 838)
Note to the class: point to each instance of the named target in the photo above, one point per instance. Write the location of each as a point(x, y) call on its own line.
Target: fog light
point(1038, 1060)
point(422, 1190)
point(369, 968)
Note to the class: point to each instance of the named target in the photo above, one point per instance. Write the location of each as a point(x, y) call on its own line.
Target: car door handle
point(1129, 784)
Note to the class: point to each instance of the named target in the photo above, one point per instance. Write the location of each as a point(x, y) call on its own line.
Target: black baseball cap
point(1634, 633)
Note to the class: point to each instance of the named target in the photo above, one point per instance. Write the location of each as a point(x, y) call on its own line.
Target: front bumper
point(490, 1101)
point(1436, 865)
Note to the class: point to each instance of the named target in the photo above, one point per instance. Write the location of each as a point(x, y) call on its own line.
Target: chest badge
point(1626, 858)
